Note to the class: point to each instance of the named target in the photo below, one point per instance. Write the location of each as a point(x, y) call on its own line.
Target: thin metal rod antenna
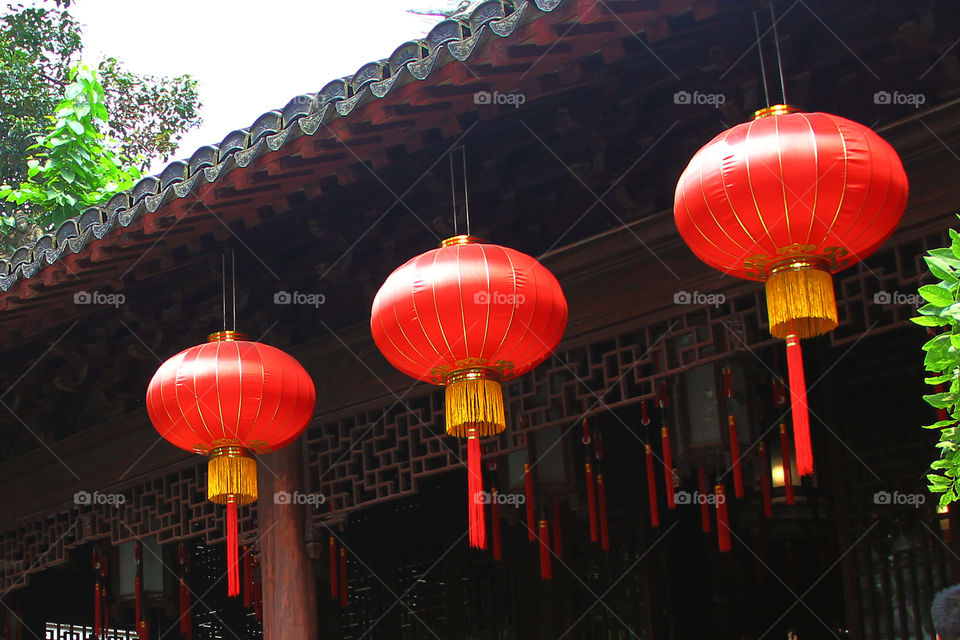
point(233, 284)
point(466, 190)
point(776, 41)
point(223, 277)
point(453, 192)
point(763, 69)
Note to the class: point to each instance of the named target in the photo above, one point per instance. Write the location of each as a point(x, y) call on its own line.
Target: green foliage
point(943, 360)
point(73, 165)
point(149, 114)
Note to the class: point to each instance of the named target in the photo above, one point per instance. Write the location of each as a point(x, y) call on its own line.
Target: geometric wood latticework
point(359, 458)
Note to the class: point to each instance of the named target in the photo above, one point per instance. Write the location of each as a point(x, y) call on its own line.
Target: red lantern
point(469, 316)
point(788, 199)
point(231, 399)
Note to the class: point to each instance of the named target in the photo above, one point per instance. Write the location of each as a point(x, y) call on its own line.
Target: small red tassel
point(105, 624)
point(668, 467)
point(652, 489)
point(723, 520)
point(528, 495)
point(785, 463)
point(344, 598)
point(728, 382)
point(602, 501)
point(143, 630)
point(477, 516)
point(586, 429)
point(546, 570)
point(557, 538)
point(137, 583)
point(765, 482)
point(704, 506)
point(591, 502)
point(247, 578)
point(334, 590)
point(735, 457)
point(495, 526)
point(233, 559)
point(644, 414)
point(257, 593)
point(97, 610)
point(598, 445)
point(941, 412)
point(664, 398)
point(186, 627)
point(798, 406)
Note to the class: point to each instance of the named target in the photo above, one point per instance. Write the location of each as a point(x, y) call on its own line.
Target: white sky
point(249, 56)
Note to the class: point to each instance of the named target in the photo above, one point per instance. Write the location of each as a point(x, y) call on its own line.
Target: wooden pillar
point(289, 591)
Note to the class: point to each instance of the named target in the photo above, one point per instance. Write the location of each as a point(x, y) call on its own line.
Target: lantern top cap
point(227, 336)
point(461, 239)
point(775, 110)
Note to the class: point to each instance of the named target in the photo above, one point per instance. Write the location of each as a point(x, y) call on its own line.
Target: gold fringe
point(800, 300)
point(474, 404)
point(231, 472)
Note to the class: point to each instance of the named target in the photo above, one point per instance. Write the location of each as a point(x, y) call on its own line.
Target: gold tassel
point(474, 401)
point(800, 299)
point(231, 472)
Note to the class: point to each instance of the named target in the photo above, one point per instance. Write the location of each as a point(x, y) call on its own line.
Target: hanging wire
point(466, 191)
point(776, 41)
point(763, 69)
point(223, 277)
point(453, 192)
point(233, 285)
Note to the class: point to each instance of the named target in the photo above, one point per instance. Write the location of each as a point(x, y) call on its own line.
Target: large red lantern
point(788, 199)
point(231, 399)
point(469, 316)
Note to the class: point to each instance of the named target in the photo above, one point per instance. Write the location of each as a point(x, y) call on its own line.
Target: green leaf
point(79, 129)
point(931, 321)
point(936, 294)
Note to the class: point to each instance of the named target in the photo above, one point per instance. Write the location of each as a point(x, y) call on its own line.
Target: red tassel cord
point(723, 520)
point(735, 457)
point(186, 625)
point(344, 598)
point(233, 564)
point(668, 467)
point(528, 496)
point(257, 592)
point(137, 584)
point(727, 373)
point(644, 414)
point(602, 502)
point(798, 406)
point(557, 538)
point(105, 617)
point(785, 463)
point(705, 522)
point(546, 570)
point(591, 502)
point(247, 578)
point(334, 590)
point(664, 397)
point(495, 526)
point(97, 609)
point(586, 427)
point(97, 603)
point(477, 516)
point(652, 489)
point(942, 413)
point(765, 482)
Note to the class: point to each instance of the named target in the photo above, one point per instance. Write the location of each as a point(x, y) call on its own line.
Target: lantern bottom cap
point(801, 301)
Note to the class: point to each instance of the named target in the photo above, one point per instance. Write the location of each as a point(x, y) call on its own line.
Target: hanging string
point(776, 41)
point(233, 285)
point(453, 192)
point(466, 190)
point(763, 69)
point(223, 277)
